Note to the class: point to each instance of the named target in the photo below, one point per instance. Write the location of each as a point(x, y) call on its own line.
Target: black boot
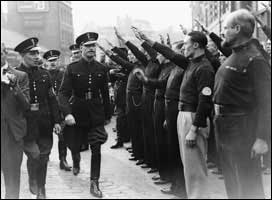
point(117, 145)
point(33, 186)
point(32, 170)
point(41, 193)
point(64, 165)
point(94, 189)
point(76, 165)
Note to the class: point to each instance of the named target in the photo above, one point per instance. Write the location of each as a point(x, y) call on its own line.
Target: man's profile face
point(188, 47)
point(230, 33)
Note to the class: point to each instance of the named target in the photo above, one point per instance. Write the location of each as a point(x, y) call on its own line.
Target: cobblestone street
point(120, 178)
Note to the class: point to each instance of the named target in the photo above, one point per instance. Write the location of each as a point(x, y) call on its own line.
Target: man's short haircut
point(246, 21)
point(199, 37)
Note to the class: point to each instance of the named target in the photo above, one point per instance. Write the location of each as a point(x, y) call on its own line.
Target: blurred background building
point(212, 13)
point(50, 21)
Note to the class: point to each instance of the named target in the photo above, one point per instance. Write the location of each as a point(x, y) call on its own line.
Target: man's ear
point(195, 45)
point(237, 28)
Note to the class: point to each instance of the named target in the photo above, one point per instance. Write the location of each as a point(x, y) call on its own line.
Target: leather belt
point(168, 100)
point(87, 96)
point(187, 107)
point(228, 110)
point(160, 98)
point(37, 106)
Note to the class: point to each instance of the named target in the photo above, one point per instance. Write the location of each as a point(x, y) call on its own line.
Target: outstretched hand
point(136, 33)
point(184, 31)
point(109, 43)
point(118, 35)
point(168, 41)
point(203, 29)
point(107, 52)
point(162, 39)
point(100, 47)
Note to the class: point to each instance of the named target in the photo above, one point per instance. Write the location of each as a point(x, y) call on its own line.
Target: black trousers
point(121, 124)
point(95, 137)
point(11, 160)
point(175, 165)
point(38, 152)
point(161, 138)
point(150, 157)
point(134, 116)
point(62, 147)
point(236, 136)
point(95, 161)
point(213, 147)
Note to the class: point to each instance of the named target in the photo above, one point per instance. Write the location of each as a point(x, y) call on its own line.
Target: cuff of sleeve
point(200, 123)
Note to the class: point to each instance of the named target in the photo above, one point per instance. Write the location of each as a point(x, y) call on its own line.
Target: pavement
point(120, 178)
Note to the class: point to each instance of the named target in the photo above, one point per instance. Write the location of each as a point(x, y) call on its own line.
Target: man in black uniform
point(133, 103)
point(87, 81)
point(195, 106)
point(41, 118)
point(52, 58)
point(242, 98)
point(120, 100)
point(160, 139)
point(174, 164)
point(76, 56)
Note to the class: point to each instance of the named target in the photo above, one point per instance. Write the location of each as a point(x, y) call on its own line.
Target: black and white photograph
point(135, 99)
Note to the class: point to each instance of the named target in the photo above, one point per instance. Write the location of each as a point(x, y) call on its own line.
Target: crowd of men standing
point(182, 105)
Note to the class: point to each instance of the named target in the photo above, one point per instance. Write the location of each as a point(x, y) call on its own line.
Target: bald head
point(238, 27)
point(244, 19)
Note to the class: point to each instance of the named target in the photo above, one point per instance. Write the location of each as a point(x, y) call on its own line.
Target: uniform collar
point(86, 62)
point(198, 59)
point(29, 69)
point(243, 46)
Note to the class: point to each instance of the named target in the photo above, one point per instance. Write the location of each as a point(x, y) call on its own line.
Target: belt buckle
point(34, 106)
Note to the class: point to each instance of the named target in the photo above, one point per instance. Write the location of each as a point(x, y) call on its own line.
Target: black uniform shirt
point(173, 83)
point(161, 81)
point(133, 84)
point(42, 92)
point(244, 82)
point(151, 67)
point(197, 83)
